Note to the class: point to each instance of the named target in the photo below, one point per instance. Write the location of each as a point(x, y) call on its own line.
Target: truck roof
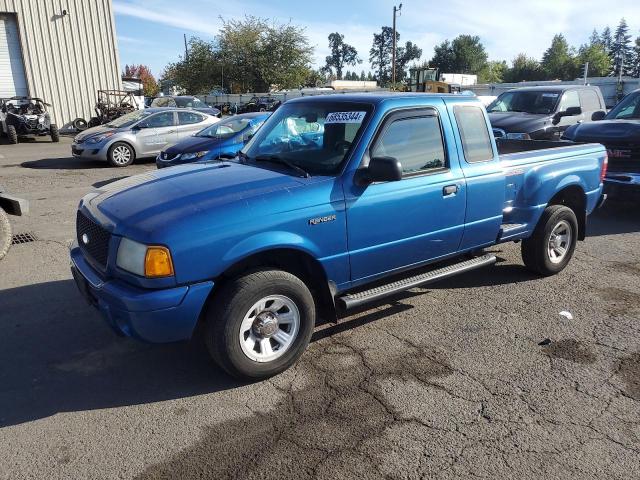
point(551, 88)
point(376, 98)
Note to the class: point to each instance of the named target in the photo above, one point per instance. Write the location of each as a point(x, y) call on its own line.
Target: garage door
point(12, 79)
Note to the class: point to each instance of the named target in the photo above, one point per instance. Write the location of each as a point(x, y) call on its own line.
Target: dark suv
point(543, 113)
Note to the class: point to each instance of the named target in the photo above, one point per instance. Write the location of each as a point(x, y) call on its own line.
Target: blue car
point(222, 140)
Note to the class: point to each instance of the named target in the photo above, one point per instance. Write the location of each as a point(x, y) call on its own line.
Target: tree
point(444, 57)
point(380, 54)
point(314, 78)
point(636, 59)
point(606, 39)
point(621, 51)
point(363, 76)
point(595, 38)
point(522, 69)
point(199, 72)
point(493, 72)
point(597, 57)
point(150, 87)
point(341, 54)
point(465, 54)
point(404, 55)
point(557, 61)
point(370, 77)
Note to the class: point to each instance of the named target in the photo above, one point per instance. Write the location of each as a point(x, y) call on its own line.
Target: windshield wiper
point(283, 161)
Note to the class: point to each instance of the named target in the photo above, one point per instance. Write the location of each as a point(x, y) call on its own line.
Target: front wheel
point(259, 324)
point(553, 242)
point(12, 133)
point(5, 233)
point(121, 155)
point(55, 134)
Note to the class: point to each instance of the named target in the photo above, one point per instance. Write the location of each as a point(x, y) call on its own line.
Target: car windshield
point(628, 108)
point(536, 101)
point(128, 119)
point(188, 102)
point(225, 129)
point(314, 136)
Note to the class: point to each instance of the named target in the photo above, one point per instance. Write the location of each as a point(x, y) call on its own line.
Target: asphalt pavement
point(477, 376)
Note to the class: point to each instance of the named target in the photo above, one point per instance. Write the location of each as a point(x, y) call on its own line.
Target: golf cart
point(9, 205)
point(26, 117)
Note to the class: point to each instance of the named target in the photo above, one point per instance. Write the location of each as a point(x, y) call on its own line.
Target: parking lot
point(477, 376)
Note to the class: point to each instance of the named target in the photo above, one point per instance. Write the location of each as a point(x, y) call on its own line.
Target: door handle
point(449, 190)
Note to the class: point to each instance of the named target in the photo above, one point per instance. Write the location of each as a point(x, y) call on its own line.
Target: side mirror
point(247, 137)
point(381, 169)
point(573, 111)
point(138, 126)
point(599, 115)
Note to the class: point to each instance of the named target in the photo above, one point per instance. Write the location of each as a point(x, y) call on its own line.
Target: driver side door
point(156, 132)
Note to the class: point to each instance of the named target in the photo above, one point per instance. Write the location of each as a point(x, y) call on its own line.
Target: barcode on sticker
point(345, 117)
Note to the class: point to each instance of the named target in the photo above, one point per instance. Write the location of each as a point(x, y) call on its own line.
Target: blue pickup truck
point(337, 201)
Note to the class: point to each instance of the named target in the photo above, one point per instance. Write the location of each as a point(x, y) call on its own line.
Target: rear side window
point(590, 101)
point(476, 142)
point(569, 99)
point(415, 141)
point(188, 118)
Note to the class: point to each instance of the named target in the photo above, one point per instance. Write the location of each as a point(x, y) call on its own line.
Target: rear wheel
point(80, 124)
point(121, 155)
point(5, 233)
point(55, 134)
point(12, 134)
point(553, 242)
point(260, 324)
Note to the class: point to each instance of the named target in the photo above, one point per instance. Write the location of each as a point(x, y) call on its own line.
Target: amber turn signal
point(157, 262)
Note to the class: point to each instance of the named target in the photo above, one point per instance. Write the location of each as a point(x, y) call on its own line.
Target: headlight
point(518, 136)
point(192, 155)
point(40, 119)
point(151, 261)
point(100, 138)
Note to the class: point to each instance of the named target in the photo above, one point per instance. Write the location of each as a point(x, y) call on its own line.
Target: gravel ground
point(445, 382)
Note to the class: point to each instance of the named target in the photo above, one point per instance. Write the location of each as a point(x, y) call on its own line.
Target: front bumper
point(156, 316)
point(90, 151)
point(622, 186)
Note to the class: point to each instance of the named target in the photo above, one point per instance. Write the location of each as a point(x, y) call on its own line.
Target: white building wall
point(67, 58)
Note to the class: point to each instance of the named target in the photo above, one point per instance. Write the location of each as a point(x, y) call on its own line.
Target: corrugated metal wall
point(67, 58)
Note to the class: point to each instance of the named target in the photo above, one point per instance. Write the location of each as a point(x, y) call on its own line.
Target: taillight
point(603, 170)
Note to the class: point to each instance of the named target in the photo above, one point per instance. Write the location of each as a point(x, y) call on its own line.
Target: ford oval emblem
point(85, 238)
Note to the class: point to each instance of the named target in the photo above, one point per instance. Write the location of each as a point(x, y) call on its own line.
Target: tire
point(542, 256)
point(55, 134)
point(121, 155)
point(80, 124)
point(12, 134)
point(236, 311)
point(5, 233)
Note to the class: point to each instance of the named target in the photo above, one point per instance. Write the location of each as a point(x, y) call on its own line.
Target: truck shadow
point(57, 355)
point(614, 218)
point(71, 163)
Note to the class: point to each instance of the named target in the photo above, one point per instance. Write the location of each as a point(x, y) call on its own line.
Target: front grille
point(97, 239)
point(33, 124)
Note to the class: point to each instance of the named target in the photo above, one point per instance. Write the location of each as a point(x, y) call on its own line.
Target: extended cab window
point(415, 141)
point(569, 99)
point(476, 142)
point(590, 100)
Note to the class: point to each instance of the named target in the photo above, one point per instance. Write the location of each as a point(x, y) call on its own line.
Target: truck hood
point(519, 122)
point(606, 131)
point(150, 202)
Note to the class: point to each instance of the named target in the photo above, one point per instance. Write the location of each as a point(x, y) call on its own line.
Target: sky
point(151, 32)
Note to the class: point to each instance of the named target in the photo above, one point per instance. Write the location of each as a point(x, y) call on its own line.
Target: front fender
point(268, 241)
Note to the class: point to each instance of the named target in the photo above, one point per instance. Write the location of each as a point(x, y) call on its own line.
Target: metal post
point(586, 71)
point(393, 52)
point(186, 50)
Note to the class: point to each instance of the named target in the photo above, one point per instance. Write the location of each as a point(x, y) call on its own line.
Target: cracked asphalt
point(477, 376)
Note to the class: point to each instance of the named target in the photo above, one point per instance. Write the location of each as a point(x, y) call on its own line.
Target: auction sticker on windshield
point(345, 117)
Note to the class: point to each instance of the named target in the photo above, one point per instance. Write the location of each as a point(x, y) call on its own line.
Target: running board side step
point(353, 300)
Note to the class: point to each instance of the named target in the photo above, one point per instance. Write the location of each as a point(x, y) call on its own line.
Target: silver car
point(139, 134)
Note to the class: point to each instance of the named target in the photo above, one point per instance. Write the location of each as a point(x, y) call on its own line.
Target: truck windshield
point(311, 135)
point(628, 108)
point(538, 101)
